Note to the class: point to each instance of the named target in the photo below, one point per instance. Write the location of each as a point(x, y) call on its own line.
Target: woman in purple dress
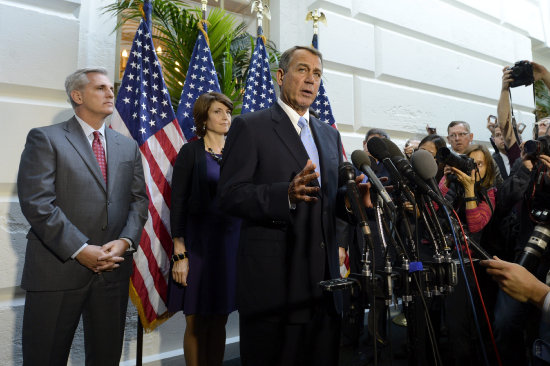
point(205, 239)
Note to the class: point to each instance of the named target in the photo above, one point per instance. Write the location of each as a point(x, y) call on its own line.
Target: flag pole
point(261, 10)
point(147, 12)
point(203, 8)
point(316, 16)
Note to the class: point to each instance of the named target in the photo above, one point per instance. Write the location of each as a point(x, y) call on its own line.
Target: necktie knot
point(302, 123)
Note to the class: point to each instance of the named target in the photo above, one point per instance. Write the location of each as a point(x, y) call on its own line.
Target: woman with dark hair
point(473, 198)
point(431, 144)
point(478, 199)
point(205, 239)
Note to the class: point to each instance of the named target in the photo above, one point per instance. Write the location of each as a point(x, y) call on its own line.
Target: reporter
point(520, 284)
point(432, 143)
point(473, 198)
point(526, 190)
point(504, 110)
point(477, 202)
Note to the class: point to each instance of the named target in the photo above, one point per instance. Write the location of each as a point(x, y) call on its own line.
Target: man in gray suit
point(81, 188)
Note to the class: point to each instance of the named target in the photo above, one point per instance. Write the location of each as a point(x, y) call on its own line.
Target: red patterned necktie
point(97, 146)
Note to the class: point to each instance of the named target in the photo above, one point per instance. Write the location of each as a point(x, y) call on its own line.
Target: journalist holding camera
point(469, 184)
point(526, 190)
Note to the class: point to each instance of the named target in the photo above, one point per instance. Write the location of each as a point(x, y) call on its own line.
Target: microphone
point(379, 150)
point(425, 166)
point(406, 169)
point(392, 148)
point(346, 173)
point(362, 162)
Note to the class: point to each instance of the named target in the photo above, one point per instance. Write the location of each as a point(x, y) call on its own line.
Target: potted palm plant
point(175, 28)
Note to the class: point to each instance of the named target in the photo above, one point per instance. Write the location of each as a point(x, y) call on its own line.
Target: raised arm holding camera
point(527, 189)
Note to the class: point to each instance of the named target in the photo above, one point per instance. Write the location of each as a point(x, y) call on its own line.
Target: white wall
point(401, 64)
point(393, 64)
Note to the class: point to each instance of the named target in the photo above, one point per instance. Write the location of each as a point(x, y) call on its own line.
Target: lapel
point(324, 147)
point(79, 141)
point(200, 158)
point(113, 155)
point(289, 137)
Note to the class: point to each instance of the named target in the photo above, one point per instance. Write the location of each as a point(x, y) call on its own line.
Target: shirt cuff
point(130, 244)
point(546, 309)
point(79, 250)
point(291, 206)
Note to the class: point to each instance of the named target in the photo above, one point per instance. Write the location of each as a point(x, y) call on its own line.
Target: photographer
point(528, 191)
point(473, 197)
point(504, 109)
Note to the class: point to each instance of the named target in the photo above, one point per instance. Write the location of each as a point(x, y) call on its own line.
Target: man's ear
point(280, 76)
point(76, 96)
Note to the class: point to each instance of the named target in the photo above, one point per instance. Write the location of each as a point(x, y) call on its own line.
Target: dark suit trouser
point(266, 342)
point(51, 317)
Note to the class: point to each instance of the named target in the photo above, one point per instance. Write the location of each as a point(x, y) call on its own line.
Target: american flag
point(259, 92)
point(144, 112)
point(321, 105)
point(201, 78)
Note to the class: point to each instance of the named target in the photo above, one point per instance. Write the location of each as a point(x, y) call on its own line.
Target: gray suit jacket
point(67, 203)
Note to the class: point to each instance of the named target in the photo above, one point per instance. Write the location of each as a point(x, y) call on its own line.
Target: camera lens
point(535, 247)
point(461, 162)
point(531, 149)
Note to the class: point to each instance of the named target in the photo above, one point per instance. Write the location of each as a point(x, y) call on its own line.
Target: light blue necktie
point(309, 144)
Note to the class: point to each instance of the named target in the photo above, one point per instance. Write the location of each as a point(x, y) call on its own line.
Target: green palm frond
point(542, 100)
point(175, 27)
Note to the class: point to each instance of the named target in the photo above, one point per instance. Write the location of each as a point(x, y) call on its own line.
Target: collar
point(293, 115)
point(88, 130)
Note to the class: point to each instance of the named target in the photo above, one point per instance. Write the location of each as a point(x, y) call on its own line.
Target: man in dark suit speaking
point(81, 188)
point(280, 174)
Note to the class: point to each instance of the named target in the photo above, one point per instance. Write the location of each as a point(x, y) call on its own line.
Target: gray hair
point(78, 80)
point(286, 57)
point(455, 123)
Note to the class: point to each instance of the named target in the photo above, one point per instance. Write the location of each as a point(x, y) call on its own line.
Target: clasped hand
point(103, 258)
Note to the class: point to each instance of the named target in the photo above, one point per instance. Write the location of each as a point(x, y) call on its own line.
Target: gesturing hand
point(300, 188)
point(364, 190)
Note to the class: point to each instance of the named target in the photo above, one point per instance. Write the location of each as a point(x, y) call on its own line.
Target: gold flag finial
point(316, 15)
point(262, 10)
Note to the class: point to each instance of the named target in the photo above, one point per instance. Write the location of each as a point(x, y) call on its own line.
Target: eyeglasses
point(458, 135)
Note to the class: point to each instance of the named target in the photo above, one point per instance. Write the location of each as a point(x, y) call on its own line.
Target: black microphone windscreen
point(378, 148)
point(393, 149)
point(424, 164)
point(346, 172)
point(360, 158)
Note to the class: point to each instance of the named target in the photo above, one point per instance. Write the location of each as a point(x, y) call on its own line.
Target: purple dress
point(211, 239)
